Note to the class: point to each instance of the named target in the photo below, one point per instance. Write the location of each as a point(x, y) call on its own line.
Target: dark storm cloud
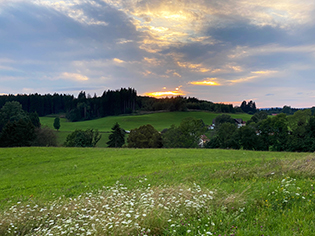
point(250, 35)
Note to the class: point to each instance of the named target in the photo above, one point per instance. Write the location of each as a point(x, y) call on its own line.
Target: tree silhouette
point(117, 137)
point(57, 123)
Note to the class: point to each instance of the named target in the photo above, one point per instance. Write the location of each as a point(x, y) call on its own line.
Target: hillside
point(159, 121)
point(191, 191)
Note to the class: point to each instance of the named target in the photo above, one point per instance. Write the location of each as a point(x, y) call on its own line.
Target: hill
point(159, 191)
point(159, 121)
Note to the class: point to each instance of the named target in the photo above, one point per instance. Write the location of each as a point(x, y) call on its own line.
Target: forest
point(112, 102)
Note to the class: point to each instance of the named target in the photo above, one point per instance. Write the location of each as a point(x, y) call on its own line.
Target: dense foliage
point(81, 138)
point(144, 137)
point(19, 128)
point(294, 133)
point(186, 135)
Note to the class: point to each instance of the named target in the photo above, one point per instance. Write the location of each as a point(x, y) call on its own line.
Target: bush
point(80, 138)
point(45, 137)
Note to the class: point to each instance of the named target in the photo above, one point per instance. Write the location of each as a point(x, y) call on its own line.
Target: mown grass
point(159, 121)
point(221, 192)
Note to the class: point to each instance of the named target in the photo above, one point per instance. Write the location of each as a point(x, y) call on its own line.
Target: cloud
point(73, 76)
point(118, 60)
point(193, 67)
point(253, 48)
point(206, 82)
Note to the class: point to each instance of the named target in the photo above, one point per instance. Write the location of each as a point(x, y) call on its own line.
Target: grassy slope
point(42, 171)
point(243, 179)
point(159, 121)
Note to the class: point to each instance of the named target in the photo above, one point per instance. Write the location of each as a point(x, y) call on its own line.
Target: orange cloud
point(118, 60)
point(74, 76)
point(161, 94)
point(208, 82)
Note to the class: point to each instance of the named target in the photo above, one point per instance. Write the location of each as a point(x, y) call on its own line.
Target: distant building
point(240, 122)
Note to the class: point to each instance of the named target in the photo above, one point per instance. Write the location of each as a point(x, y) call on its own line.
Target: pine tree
point(117, 137)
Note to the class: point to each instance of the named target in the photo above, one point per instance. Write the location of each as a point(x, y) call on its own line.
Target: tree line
point(277, 133)
point(111, 103)
point(294, 133)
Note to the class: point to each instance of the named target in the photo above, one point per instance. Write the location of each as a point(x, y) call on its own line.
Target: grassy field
point(77, 191)
point(159, 121)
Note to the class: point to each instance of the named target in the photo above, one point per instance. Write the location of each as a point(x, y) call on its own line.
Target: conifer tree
point(57, 123)
point(117, 137)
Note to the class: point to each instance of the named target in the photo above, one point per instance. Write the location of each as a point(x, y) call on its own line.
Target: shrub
point(45, 137)
point(80, 138)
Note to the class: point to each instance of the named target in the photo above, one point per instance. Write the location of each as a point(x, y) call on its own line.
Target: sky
point(220, 50)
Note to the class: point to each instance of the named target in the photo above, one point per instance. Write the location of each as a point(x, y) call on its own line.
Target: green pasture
point(159, 121)
point(256, 193)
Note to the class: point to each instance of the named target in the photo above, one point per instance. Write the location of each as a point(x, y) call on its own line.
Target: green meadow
point(159, 121)
point(102, 191)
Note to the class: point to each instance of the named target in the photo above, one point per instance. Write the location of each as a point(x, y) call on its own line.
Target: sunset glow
point(205, 83)
point(165, 94)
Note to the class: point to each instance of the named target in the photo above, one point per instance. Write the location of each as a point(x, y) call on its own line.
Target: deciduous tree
point(80, 138)
point(144, 137)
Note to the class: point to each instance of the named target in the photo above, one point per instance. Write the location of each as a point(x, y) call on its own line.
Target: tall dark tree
point(117, 137)
point(57, 123)
point(249, 107)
